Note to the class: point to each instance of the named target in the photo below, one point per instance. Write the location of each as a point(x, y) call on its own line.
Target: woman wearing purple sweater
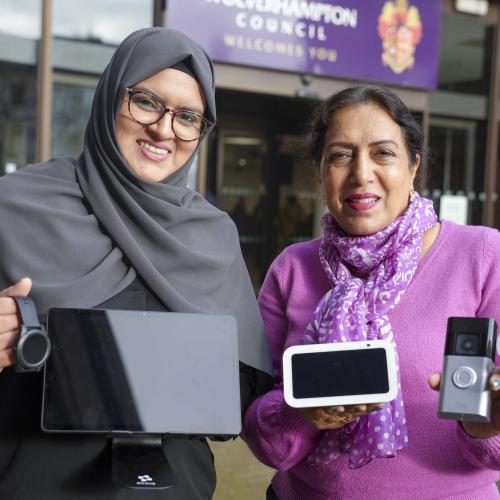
point(385, 268)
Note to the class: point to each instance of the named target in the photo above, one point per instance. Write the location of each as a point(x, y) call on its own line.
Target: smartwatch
point(32, 347)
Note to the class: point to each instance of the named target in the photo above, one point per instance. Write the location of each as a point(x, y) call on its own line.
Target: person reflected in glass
point(118, 228)
point(240, 216)
point(385, 268)
point(291, 220)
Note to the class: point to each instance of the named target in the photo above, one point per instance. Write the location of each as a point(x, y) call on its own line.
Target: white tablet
point(340, 373)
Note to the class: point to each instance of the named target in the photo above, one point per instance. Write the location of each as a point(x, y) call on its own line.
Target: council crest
point(400, 29)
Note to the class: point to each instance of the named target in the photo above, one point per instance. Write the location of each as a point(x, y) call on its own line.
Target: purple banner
point(391, 41)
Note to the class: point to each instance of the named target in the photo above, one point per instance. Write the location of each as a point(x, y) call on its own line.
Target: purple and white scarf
point(357, 309)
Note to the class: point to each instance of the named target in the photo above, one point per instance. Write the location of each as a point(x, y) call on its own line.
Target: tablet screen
point(339, 373)
point(136, 371)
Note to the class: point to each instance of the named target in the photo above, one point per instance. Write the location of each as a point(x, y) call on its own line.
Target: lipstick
point(362, 202)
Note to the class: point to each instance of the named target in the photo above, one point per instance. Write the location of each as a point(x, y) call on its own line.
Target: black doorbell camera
point(32, 347)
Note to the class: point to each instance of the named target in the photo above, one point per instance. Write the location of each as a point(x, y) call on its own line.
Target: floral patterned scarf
point(357, 309)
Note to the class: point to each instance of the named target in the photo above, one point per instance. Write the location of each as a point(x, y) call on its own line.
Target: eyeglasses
point(146, 109)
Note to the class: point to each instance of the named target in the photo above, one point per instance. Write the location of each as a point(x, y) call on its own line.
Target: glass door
point(454, 169)
point(298, 207)
point(241, 191)
point(271, 196)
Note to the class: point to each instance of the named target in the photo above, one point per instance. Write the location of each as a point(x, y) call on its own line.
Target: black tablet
point(116, 371)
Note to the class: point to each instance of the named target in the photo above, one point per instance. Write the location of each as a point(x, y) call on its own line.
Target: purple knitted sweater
point(459, 276)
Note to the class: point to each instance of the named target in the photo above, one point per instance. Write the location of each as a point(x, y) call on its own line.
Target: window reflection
point(72, 103)
point(17, 116)
point(107, 21)
point(464, 54)
point(21, 18)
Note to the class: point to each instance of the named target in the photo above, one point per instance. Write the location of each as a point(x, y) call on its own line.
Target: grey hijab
point(84, 229)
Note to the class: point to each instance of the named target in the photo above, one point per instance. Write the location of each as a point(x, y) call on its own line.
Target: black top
point(36, 465)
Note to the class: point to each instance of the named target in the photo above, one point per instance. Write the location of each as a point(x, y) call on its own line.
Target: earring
point(412, 194)
point(322, 199)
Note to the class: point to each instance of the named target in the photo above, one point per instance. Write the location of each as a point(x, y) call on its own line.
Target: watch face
point(35, 348)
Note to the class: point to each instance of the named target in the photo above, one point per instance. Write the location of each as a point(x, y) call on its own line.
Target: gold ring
point(345, 420)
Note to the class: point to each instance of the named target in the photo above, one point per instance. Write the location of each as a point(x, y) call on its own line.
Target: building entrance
point(261, 178)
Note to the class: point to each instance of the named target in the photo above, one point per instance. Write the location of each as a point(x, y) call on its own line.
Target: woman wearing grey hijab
point(118, 228)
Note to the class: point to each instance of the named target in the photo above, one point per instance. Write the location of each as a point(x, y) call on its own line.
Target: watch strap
point(27, 311)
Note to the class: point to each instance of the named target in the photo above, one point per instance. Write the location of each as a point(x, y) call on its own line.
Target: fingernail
point(495, 383)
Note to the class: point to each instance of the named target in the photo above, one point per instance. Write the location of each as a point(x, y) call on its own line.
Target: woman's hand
point(475, 429)
point(9, 319)
point(334, 417)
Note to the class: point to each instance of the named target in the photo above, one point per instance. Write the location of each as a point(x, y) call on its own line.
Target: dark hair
point(363, 94)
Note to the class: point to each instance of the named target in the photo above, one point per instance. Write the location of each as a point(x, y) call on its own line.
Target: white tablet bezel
point(339, 400)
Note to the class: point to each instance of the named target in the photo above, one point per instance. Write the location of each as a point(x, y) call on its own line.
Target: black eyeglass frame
point(173, 112)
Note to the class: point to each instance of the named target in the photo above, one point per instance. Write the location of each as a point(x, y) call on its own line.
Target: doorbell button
point(464, 377)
